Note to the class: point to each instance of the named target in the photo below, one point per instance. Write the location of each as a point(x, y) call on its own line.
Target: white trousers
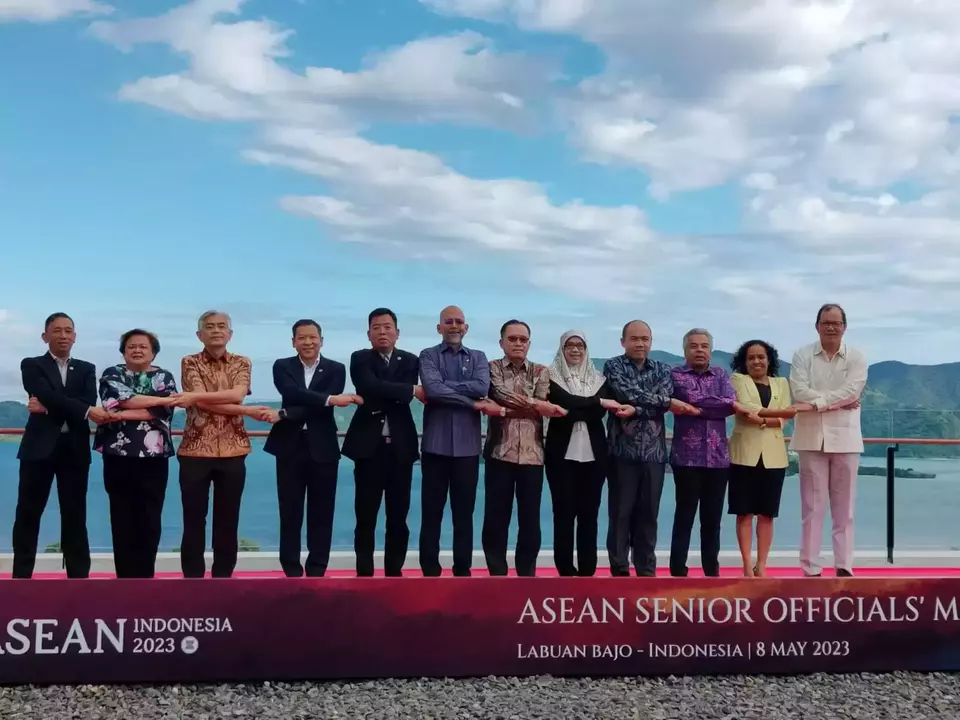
point(827, 478)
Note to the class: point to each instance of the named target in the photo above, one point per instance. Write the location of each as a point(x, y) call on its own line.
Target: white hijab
point(584, 379)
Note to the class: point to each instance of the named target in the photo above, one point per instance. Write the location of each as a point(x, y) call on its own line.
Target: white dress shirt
point(63, 366)
point(822, 381)
point(386, 423)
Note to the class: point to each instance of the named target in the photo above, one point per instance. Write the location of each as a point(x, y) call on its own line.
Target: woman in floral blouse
point(136, 451)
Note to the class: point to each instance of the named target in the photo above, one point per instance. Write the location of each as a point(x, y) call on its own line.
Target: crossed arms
point(462, 393)
point(846, 396)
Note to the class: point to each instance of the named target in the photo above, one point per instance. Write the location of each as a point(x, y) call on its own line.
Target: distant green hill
point(906, 401)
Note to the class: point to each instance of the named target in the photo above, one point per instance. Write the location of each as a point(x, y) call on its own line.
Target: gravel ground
point(902, 696)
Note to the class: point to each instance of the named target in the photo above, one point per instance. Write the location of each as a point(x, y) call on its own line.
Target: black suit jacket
point(307, 405)
point(64, 403)
point(579, 409)
point(386, 391)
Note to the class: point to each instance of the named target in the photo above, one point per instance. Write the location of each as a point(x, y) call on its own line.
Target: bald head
point(453, 325)
point(636, 340)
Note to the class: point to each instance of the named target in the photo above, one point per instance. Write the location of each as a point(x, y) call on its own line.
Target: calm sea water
point(926, 509)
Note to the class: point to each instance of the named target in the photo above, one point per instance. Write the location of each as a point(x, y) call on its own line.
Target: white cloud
point(818, 111)
point(235, 74)
point(40, 11)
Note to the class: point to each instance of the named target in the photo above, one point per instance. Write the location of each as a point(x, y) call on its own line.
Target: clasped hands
point(97, 414)
point(540, 407)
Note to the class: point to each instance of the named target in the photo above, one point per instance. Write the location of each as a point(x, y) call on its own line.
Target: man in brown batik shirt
point(214, 447)
point(513, 454)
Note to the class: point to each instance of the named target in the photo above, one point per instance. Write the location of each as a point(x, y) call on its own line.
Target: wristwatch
point(503, 412)
point(282, 413)
point(763, 425)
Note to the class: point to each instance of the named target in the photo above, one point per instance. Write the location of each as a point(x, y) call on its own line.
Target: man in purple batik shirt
point(698, 455)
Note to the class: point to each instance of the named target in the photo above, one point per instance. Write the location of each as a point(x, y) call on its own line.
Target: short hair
point(697, 331)
point(508, 323)
point(303, 323)
point(377, 312)
point(831, 306)
point(55, 316)
point(151, 338)
point(623, 333)
point(213, 313)
point(739, 361)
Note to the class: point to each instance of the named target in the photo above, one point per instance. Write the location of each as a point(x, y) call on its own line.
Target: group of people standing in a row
point(576, 424)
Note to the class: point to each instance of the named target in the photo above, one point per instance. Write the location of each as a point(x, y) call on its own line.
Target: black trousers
point(227, 476)
point(382, 477)
point(502, 481)
point(633, 504)
point(301, 480)
point(457, 477)
point(706, 488)
point(136, 488)
point(576, 489)
point(36, 481)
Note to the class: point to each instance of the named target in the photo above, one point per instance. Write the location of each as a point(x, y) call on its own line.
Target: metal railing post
point(891, 497)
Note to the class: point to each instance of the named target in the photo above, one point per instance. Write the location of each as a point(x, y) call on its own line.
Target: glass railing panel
point(925, 511)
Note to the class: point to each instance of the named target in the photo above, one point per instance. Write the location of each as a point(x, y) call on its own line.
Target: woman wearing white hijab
point(575, 454)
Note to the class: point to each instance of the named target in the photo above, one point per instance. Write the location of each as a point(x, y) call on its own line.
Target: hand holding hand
point(488, 407)
point(608, 404)
point(549, 410)
point(804, 407)
point(344, 400)
point(419, 393)
point(184, 399)
point(678, 407)
point(101, 416)
point(268, 414)
point(626, 411)
point(34, 406)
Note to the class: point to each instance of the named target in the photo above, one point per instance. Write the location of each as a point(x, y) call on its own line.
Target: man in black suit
point(382, 441)
point(304, 441)
point(56, 443)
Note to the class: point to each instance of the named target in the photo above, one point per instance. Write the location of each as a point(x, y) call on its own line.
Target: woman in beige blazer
point(758, 454)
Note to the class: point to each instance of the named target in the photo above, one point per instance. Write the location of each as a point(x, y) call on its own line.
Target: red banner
point(109, 631)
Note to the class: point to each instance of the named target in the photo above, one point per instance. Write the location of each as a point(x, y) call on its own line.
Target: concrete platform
point(342, 562)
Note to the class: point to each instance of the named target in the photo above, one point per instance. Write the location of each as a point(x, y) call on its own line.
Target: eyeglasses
point(575, 346)
point(522, 340)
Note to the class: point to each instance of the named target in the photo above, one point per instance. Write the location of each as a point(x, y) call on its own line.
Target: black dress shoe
point(842, 572)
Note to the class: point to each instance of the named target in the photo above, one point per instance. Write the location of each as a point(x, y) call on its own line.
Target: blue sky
point(567, 163)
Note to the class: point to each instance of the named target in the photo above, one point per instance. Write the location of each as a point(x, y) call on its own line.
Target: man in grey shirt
point(455, 382)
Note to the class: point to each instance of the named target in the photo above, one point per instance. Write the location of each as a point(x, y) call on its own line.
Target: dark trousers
point(458, 477)
point(301, 480)
point(633, 502)
point(36, 481)
point(502, 481)
point(382, 477)
point(576, 489)
point(136, 488)
point(227, 476)
point(706, 488)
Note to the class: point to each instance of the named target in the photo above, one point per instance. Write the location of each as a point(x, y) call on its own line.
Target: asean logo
point(189, 645)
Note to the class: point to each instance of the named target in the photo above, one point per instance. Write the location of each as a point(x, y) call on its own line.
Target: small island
point(794, 468)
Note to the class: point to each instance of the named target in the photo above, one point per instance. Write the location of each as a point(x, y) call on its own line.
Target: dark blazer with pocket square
point(66, 404)
point(307, 406)
point(387, 391)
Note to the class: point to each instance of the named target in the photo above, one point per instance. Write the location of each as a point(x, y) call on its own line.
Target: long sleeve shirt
point(701, 440)
point(830, 384)
point(453, 379)
point(647, 387)
point(516, 439)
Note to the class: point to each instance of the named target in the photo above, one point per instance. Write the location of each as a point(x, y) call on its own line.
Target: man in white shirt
point(826, 380)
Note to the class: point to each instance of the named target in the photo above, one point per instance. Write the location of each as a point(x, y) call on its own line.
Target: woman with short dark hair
point(136, 451)
point(758, 453)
